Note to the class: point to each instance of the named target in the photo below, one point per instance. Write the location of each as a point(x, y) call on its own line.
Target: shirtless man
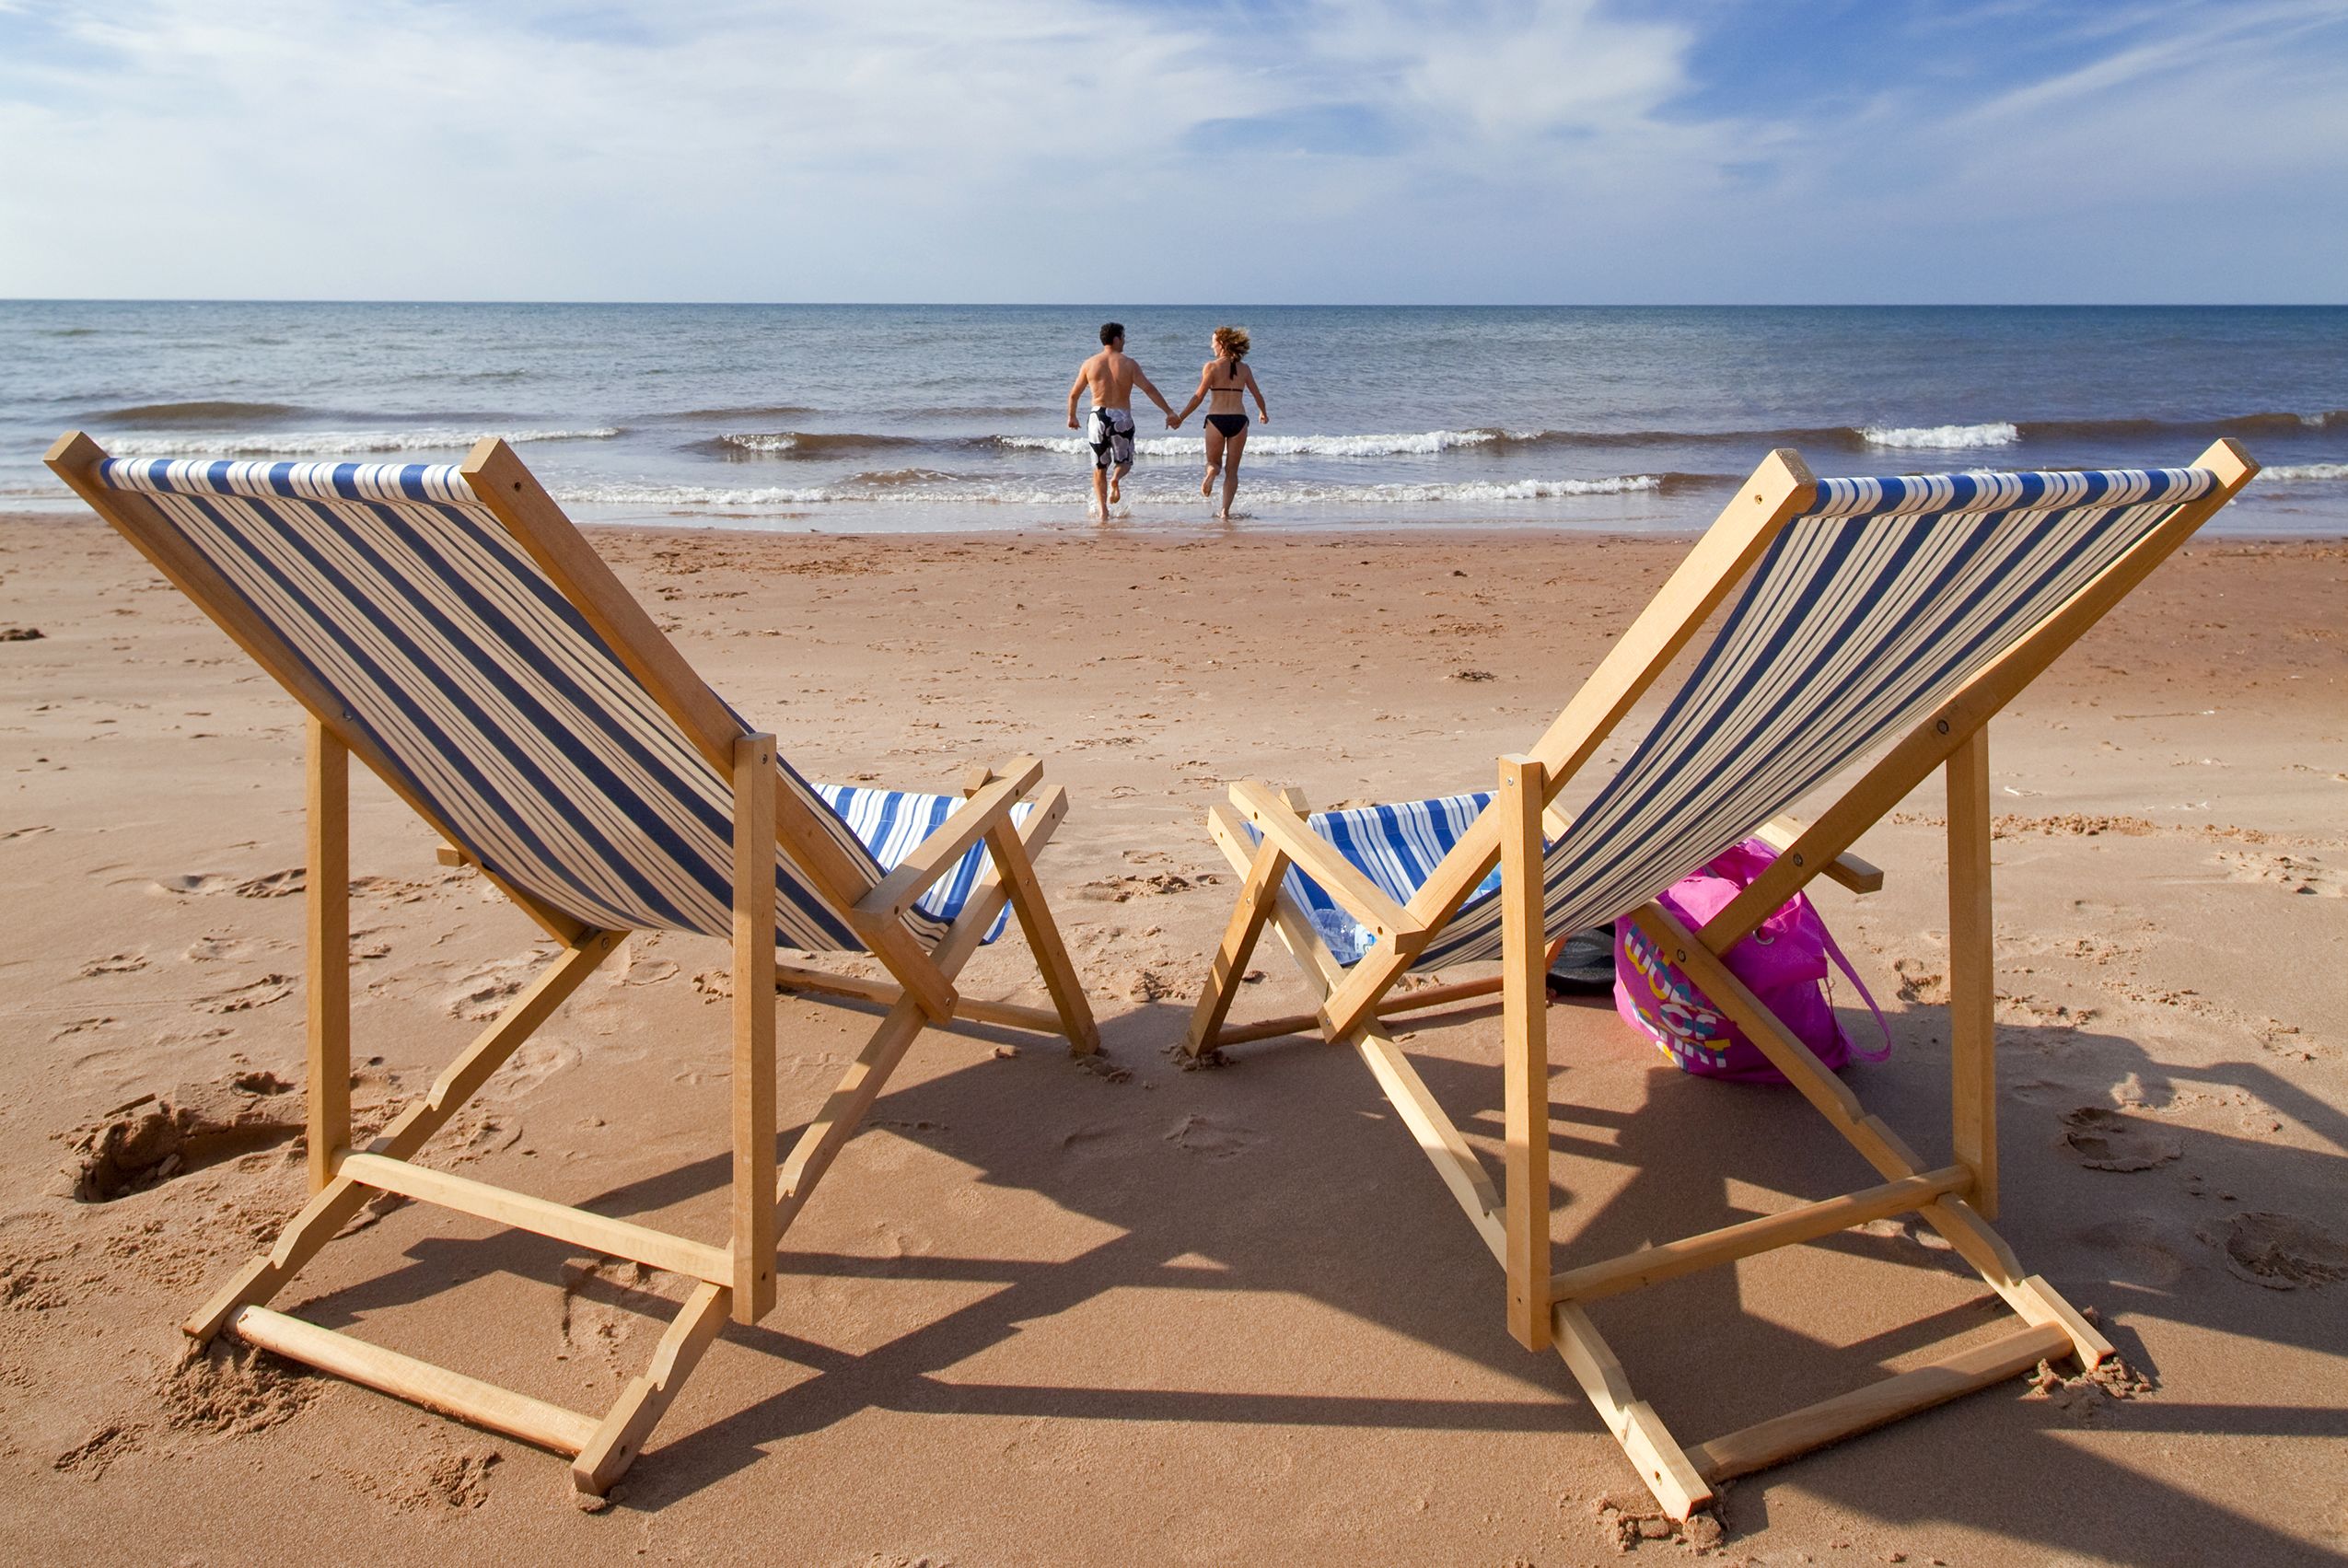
point(1111, 378)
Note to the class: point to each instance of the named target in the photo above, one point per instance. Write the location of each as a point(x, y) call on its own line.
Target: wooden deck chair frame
point(737, 1279)
point(1546, 1308)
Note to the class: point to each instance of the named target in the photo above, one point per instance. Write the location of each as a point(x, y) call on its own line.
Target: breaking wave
point(1941, 437)
point(926, 487)
point(2306, 471)
point(804, 444)
point(1264, 443)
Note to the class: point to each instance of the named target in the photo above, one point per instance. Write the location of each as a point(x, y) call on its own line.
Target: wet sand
point(1044, 1314)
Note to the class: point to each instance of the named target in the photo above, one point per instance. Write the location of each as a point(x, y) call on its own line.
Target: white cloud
point(1053, 149)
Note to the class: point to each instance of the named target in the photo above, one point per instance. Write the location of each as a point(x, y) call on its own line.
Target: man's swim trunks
point(1112, 434)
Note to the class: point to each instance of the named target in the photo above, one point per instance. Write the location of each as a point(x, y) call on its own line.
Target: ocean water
point(868, 418)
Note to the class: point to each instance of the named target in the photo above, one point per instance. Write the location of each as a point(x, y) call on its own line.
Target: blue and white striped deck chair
point(1884, 618)
point(453, 630)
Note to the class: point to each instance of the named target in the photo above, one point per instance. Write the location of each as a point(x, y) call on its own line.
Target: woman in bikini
point(1224, 382)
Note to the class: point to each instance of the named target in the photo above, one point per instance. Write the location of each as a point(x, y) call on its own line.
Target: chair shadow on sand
point(1291, 1217)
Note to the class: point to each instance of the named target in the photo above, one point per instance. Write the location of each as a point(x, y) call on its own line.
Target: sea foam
point(1941, 437)
point(1263, 443)
point(892, 488)
point(2306, 471)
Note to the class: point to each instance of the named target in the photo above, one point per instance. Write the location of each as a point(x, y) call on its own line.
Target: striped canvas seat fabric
point(890, 823)
point(505, 711)
point(1396, 846)
point(1863, 614)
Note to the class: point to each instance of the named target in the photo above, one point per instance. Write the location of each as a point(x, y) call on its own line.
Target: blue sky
point(1482, 151)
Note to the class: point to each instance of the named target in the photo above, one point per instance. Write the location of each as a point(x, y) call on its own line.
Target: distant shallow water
point(870, 419)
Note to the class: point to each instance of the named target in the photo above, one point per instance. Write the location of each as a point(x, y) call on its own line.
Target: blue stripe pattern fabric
point(1396, 846)
point(1865, 613)
point(891, 823)
point(503, 709)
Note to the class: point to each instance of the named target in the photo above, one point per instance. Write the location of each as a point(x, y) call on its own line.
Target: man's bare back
point(1109, 376)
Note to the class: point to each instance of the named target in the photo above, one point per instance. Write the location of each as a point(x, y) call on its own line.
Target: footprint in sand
point(2299, 874)
point(273, 884)
point(483, 994)
point(2281, 1251)
point(1211, 1138)
point(2140, 1250)
point(1921, 982)
point(202, 884)
point(210, 949)
point(531, 1066)
point(2102, 1139)
point(113, 963)
point(1117, 889)
point(596, 1316)
point(253, 994)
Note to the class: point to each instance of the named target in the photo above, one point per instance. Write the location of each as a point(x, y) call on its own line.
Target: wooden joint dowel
point(1633, 1271)
point(1773, 1442)
point(418, 1382)
point(597, 1233)
point(1784, 835)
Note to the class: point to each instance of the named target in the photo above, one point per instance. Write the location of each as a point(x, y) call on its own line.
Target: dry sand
point(1041, 1314)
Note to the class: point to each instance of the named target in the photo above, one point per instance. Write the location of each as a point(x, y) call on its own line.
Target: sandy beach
point(1048, 1312)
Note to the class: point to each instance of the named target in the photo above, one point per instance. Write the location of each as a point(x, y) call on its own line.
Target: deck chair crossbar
point(1891, 617)
point(453, 630)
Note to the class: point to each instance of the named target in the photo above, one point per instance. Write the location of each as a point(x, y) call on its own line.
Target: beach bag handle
point(1834, 951)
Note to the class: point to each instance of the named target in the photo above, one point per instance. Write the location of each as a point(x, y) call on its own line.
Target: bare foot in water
point(1114, 482)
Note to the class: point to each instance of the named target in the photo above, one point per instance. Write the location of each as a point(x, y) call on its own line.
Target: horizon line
point(1191, 305)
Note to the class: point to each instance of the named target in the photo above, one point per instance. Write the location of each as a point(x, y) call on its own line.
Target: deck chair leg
point(1646, 1441)
point(330, 1208)
point(328, 918)
point(620, 1437)
point(1224, 974)
point(1525, 1046)
point(1972, 971)
point(1017, 870)
point(754, 1088)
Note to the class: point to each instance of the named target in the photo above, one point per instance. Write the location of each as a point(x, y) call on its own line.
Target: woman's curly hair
point(1231, 342)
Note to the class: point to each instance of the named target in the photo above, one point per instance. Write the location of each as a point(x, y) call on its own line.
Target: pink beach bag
point(1784, 962)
